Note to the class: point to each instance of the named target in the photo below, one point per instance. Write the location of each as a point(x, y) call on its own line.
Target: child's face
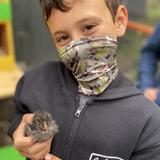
point(86, 18)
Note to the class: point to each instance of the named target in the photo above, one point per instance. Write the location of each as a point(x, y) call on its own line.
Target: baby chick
point(43, 127)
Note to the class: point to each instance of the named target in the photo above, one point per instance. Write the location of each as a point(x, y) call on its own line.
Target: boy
point(100, 113)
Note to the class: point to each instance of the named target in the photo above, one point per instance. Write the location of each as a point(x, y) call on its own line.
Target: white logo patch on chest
point(95, 156)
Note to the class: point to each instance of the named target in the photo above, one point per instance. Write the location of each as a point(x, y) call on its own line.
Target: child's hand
point(51, 157)
point(27, 145)
point(151, 93)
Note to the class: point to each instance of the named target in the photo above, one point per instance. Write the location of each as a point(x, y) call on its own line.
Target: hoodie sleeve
point(19, 111)
point(148, 145)
point(27, 87)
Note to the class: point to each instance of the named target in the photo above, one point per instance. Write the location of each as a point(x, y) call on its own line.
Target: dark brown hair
point(48, 5)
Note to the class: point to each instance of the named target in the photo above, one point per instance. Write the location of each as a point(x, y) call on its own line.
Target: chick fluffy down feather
point(43, 127)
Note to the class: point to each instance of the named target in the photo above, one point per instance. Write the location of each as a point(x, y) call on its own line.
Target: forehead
point(80, 9)
point(78, 6)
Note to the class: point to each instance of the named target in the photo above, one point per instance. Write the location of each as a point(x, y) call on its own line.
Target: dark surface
point(33, 42)
point(136, 8)
point(6, 109)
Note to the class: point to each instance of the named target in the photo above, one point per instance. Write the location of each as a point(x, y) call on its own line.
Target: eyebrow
point(89, 18)
point(59, 32)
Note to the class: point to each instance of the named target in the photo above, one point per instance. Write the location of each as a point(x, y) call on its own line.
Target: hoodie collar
point(121, 87)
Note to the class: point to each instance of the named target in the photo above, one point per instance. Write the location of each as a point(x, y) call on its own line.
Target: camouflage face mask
point(92, 61)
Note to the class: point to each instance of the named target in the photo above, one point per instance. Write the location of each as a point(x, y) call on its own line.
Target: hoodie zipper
point(80, 109)
point(74, 129)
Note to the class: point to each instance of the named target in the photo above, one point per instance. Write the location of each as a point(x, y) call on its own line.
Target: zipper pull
point(80, 109)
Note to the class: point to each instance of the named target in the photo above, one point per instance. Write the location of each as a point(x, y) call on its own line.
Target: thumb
point(51, 157)
point(27, 118)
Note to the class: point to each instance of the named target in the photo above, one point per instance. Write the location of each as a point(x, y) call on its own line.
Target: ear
point(121, 20)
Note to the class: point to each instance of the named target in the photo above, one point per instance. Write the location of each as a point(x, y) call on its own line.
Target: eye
point(89, 28)
point(62, 40)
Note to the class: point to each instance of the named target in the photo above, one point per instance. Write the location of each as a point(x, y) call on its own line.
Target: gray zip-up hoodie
point(119, 124)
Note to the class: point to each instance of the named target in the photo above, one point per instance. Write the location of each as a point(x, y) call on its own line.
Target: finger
point(56, 158)
point(19, 139)
point(51, 157)
point(147, 94)
point(28, 118)
point(38, 156)
point(23, 142)
point(151, 95)
point(36, 148)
